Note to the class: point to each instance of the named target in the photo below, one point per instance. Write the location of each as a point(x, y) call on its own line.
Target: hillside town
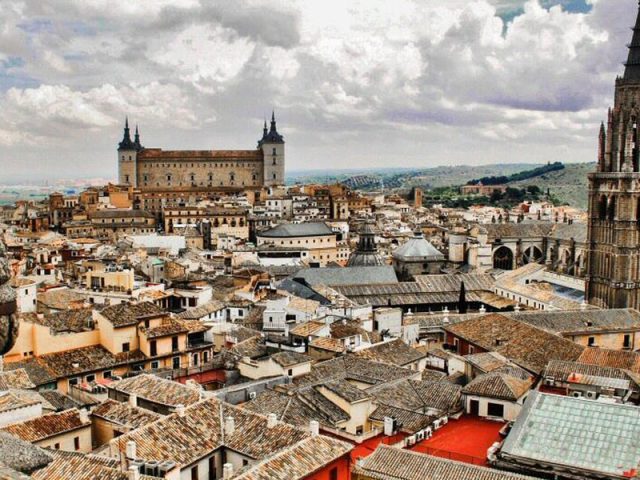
point(201, 319)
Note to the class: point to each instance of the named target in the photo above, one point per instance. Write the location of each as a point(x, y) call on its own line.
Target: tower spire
point(126, 142)
point(632, 70)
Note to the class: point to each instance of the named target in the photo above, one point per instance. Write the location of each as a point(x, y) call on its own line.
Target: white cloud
point(430, 70)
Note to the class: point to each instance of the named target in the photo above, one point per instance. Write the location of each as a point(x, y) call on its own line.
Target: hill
point(568, 185)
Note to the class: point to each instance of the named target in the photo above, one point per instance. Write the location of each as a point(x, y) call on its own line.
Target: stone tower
point(128, 157)
point(272, 145)
point(366, 255)
point(613, 270)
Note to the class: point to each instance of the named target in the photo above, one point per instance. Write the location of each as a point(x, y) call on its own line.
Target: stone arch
point(531, 254)
point(503, 258)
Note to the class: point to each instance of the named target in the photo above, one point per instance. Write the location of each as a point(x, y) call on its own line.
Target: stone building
point(417, 257)
point(366, 254)
point(160, 176)
point(613, 279)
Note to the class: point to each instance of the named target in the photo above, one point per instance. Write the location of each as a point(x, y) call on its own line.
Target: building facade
point(613, 279)
point(190, 172)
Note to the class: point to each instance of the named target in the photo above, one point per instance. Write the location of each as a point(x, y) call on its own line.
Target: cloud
point(371, 81)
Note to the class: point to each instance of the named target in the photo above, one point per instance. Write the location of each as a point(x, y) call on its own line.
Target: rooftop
point(157, 390)
point(40, 428)
point(576, 433)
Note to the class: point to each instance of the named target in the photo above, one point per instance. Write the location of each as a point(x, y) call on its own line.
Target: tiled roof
point(389, 463)
point(419, 395)
point(60, 298)
point(287, 359)
point(345, 391)
point(577, 434)
point(87, 359)
point(574, 321)
point(497, 385)
point(486, 361)
point(78, 466)
point(395, 351)
point(190, 155)
point(306, 329)
point(562, 371)
point(17, 378)
point(202, 310)
point(65, 321)
point(253, 347)
point(611, 358)
point(185, 439)
point(9, 401)
point(124, 414)
point(157, 390)
point(37, 371)
point(452, 282)
point(21, 455)
point(167, 327)
point(297, 461)
point(286, 230)
point(527, 346)
point(409, 421)
point(328, 343)
point(125, 314)
point(46, 426)
point(333, 276)
point(59, 400)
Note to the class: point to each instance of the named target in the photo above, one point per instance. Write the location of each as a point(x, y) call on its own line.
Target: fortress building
point(161, 176)
point(613, 272)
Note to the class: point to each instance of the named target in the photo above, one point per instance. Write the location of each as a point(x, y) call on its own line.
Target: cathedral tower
point(128, 156)
point(613, 277)
point(272, 145)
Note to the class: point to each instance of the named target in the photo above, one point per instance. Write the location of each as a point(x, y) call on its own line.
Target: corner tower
point(128, 157)
point(613, 270)
point(272, 146)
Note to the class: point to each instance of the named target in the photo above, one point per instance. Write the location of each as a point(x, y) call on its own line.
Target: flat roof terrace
point(465, 440)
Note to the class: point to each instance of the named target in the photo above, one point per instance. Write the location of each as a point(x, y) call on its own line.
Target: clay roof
point(497, 385)
point(390, 463)
point(611, 358)
point(395, 351)
point(46, 426)
point(124, 414)
point(525, 345)
point(17, 378)
point(157, 390)
point(185, 439)
point(125, 314)
point(194, 155)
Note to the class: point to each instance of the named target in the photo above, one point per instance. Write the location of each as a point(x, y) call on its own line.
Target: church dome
point(366, 255)
point(417, 249)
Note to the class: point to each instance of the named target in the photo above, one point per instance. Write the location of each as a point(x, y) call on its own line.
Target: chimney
point(180, 410)
point(229, 426)
point(84, 416)
point(133, 399)
point(133, 473)
point(314, 428)
point(272, 420)
point(482, 309)
point(131, 450)
point(227, 471)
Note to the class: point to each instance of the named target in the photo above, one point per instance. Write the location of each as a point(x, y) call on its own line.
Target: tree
point(462, 301)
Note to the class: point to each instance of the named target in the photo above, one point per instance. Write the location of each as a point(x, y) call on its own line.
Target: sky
point(354, 83)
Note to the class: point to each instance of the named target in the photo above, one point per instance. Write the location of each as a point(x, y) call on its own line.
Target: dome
point(417, 249)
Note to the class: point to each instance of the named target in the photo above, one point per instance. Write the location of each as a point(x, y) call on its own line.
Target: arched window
point(602, 208)
point(612, 208)
point(503, 258)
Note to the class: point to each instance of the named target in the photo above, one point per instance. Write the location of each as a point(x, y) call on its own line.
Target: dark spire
point(126, 143)
point(264, 129)
point(272, 136)
point(632, 70)
point(136, 139)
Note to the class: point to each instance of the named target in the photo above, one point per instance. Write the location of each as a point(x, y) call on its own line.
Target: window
point(153, 348)
point(155, 365)
point(90, 378)
point(107, 374)
point(212, 468)
point(245, 462)
point(76, 443)
point(74, 381)
point(359, 430)
point(194, 473)
point(333, 473)
point(176, 363)
point(57, 446)
point(626, 343)
point(125, 347)
point(290, 372)
point(174, 344)
point(495, 410)
point(591, 341)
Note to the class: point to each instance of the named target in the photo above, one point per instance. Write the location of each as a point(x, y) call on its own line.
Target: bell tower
point(128, 156)
point(613, 270)
point(272, 146)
